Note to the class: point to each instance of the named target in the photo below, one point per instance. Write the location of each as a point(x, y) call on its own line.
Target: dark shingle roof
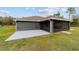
point(40, 18)
point(34, 18)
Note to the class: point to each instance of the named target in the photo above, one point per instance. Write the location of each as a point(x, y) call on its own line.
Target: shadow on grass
point(74, 25)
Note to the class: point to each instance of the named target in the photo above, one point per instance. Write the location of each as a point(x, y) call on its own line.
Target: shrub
point(75, 22)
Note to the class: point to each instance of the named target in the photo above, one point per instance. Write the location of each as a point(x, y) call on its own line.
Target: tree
point(71, 11)
point(10, 21)
point(57, 14)
point(7, 21)
point(75, 20)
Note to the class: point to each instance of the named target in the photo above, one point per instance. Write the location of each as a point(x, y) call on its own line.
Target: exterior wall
point(45, 25)
point(50, 26)
point(27, 26)
point(61, 25)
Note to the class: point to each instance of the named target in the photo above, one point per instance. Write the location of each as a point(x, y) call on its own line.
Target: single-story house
point(50, 23)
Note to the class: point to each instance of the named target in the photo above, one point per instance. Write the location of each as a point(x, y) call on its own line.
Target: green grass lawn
point(55, 41)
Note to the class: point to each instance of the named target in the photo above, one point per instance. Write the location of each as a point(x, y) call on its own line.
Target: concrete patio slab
point(26, 34)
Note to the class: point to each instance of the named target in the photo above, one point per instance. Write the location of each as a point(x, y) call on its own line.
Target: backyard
point(53, 42)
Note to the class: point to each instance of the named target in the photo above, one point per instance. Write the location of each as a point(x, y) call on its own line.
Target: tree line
point(7, 21)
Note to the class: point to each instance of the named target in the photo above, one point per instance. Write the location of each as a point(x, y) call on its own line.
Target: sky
point(34, 11)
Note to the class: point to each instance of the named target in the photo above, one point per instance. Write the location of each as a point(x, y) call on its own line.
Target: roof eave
point(59, 19)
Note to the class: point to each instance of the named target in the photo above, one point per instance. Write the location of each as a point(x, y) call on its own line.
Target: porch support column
point(69, 25)
point(16, 26)
point(51, 26)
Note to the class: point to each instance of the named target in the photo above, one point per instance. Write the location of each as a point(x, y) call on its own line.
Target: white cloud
point(4, 13)
point(48, 11)
point(33, 8)
point(26, 8)
point(53, 10)
point(42, 10)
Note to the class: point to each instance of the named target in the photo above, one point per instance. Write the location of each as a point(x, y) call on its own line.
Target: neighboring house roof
point(40, 18)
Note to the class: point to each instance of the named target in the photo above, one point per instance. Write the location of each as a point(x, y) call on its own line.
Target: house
point(49, 24)
point(32, 26)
